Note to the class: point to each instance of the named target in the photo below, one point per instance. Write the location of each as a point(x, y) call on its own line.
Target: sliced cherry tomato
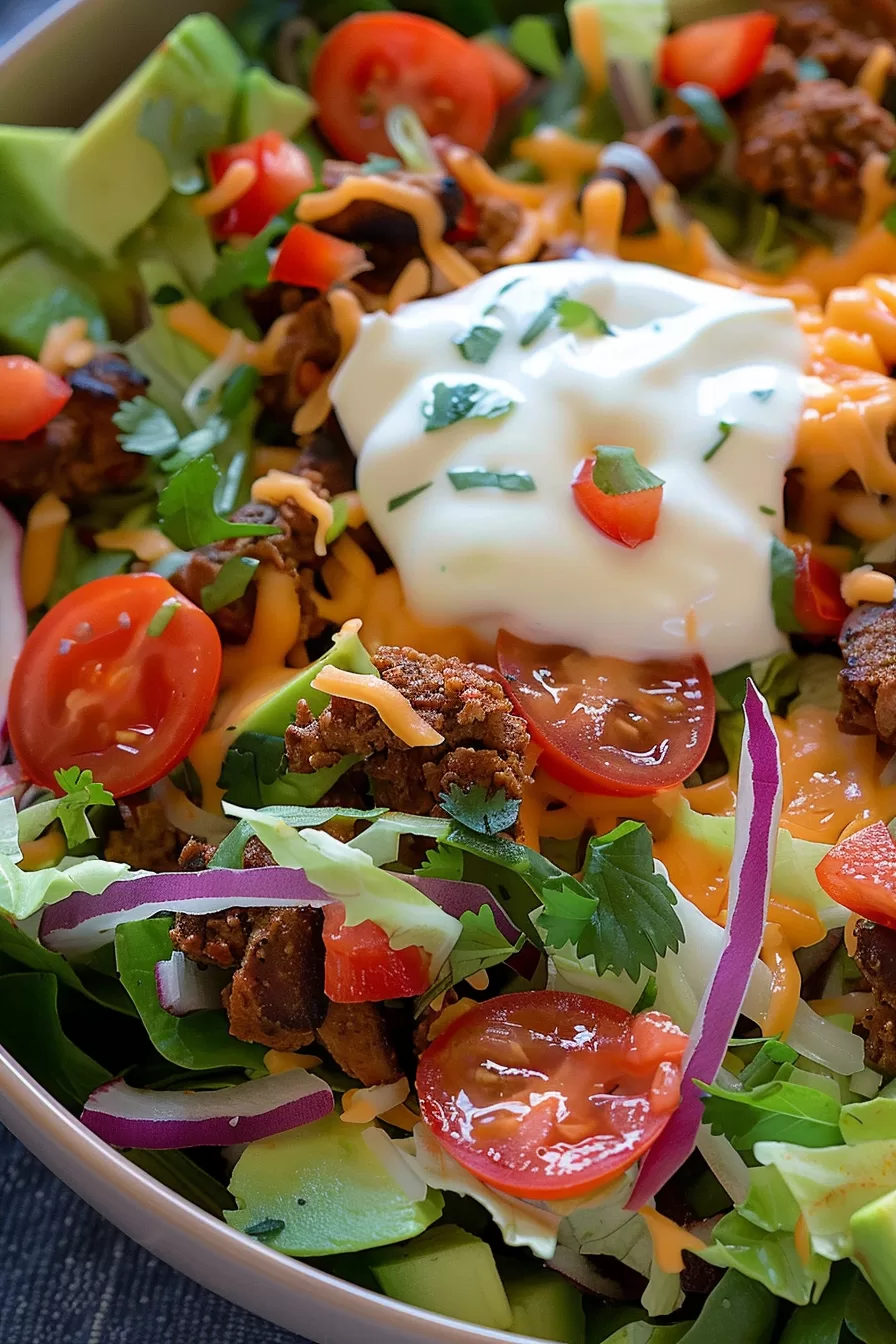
point(547, 1095)
point(284, 172)
point(316, 260)
point(629, 519)
point(607, 726)
point(817, 603)
point(510, 76)
point(722, 54)
point(372, 62)
point(860, 873)
point(361, 967)
point(104, 683)
point(29, 396)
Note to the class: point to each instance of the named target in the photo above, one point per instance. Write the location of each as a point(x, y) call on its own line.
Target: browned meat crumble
point(876, 959)
point(868, 681)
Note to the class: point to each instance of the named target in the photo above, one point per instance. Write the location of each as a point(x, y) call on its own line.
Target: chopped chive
point(708, 110)
point(163, 617)
point(453, 402)
point(475, 478)
point(764, 508)
point(266, 1228)
point(541, 321)
point(763, 393)
point(496, 301)
point(406, 498)
point(725, 431)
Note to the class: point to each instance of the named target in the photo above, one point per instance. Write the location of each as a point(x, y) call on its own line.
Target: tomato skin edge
point(681, 53)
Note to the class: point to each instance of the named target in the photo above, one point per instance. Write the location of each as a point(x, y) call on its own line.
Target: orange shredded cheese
point(876, 71)
point(361, 1105)
point(669, 1240)
point(396, 712)
point(193, 320)
point(66, 346)
point(526, 242)
point(603, 205)
point(413, 283)
point(278, 486)
point(282, 1061)
point(45, 852)
point(850, 941)
point(478, 179)
point(40, 549)
point(147, 543)
point(867, 584)
point(586, 31)
point(239, 177)
point(786, 982)
point(849, 1005)
point(449, 1014)
point(478, 981)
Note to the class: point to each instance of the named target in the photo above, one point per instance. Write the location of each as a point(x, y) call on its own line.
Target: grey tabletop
point(66, 1275)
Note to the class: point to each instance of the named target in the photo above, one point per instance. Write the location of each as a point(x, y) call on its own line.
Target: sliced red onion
point(128, 1117)
point(755, 840)
point(183, 987)
point(13, 622)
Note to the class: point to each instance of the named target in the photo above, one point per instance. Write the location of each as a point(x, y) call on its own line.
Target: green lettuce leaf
point(105, 990)
point(480, 946)
point(777, 1110)
point(821, 1322)
point(23, 894)
point(32, 1033)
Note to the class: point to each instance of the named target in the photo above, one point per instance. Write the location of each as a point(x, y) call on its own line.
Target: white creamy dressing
point(686, 356)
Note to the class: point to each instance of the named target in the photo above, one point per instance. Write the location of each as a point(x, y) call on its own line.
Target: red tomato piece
point(361, 967)
point(630, 519)
point(372, 62)
point(860, 873)
point(817, 603)
point(315, 260)
point(546, 1095)
point(284, 172)
point(510, 76)
point(607, 726)
point(722, 54)
point(29, 396)
point(113, 697)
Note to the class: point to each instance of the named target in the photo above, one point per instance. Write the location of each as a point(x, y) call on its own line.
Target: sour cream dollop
point(685, 360)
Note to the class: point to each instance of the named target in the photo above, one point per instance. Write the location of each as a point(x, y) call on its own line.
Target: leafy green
point(487, 813)
point(400, 500)
point(866, 1316)
point(769, 1064)
point(708, 110)
point(737, 1311)
point(80, 792)
point(616, 471)
point(821, 1322)
point(229, 584)
point(866, 1120)
point(783, 588)
point(726, 429)
point(768, 1257)
point(229, 853)
point(181, 135)
point(247, 267)
point(199, 1041)
point(146, 428)
point(16, 945)
point(542, 320)
point(23, 894)
point(453, 402)
point(647, 997)
point(238, 391)
point(778, 1110)
point(533, 40)
point(481, 944)
point(215, 431)
point(577, 316)
point(253, 760)
point(477, 478)
point(187, 512)
point(621, 913)
point(32, 1033)
point(479, 343)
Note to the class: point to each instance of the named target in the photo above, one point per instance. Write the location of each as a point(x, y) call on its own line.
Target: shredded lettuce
point(23, 894)
point(867, 1121)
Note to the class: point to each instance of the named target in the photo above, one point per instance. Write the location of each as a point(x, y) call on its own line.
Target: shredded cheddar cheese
point(147, 543)
point(278, 486)
point(586, 31)
point(867, 584)
point(45, 852)
point(396, 712)
point(193, 320)
point(66, 346)
point(413, 283)
point(669, 1240)
point(876, 71)
point(446, 1016)
point(40, 549)
point(361, 1105)
point(239, 177)
point(282, 1061)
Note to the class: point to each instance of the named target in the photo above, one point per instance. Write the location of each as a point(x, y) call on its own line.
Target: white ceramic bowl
point(55, 73)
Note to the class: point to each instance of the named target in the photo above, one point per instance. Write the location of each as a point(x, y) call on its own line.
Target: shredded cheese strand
point(239, 177)
point(669, 1240)
point(278, 486)
point(397, 713)
point(147, 543)
point(40, 548)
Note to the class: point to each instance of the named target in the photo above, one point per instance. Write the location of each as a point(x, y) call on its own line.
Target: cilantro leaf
point(146, 428)
point(215, 430)
point(247, 267)
point(80, 792)
point(229, 584)
point(253, 760)
point(238, 391)
point(487, 813)
point(187, 513)
point(181, 136)
point(453, 402)
point(779, 1111)
point(477, 478)
point(784, 588)
point(577, 316)
point(479, 343)
point(621, 912)
point(443, 861)
point(542, 320)
point(481, 944)
point(616, 471)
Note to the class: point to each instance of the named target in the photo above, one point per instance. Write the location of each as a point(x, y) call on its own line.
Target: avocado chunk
point(873, 1231)
point(545, 1306)
point(31, 205)
point(448, 1271)
point(319, 1190)
point(645, 1332)
point(35, 293)
point(264, 104)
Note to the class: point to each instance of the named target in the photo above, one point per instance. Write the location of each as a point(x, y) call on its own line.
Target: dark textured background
point(66, 1275)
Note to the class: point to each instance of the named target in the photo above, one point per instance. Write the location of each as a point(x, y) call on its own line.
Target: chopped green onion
point(406, 498)
point(475, 478)
point(410, 141)
point(453, 402)
point(708, 110)
point(163, 617)
point(764, 508)
point(725, 431)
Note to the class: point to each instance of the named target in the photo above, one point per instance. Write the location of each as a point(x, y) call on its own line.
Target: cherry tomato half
point(547, 1095)
point(722, 54)
point(860, 873)
point(630, 519)
point(29, 396)
point(284, 172)
point(95, 687)
point(372, 62)
point(314, 260)
point(607, 726)
point(817, 601)
point(510, 76)
point(361, 967)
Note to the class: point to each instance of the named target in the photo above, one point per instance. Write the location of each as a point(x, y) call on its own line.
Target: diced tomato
point(817, 603)
point(860, 873)
point(510, 76)
point(722, 54)
point(29, 396)
point(607, 726)
point(361, 967)
point(546, 1095)
point(98, 685)
point(630, 518)
point(372, 62)
point(284, 172)
point(314, 260)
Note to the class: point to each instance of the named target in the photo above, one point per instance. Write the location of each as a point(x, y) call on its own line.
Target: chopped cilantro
point(617, 471)
point(476, 478)
point(146, 428)
point(762, 393)
point(181, 136)
point(890, 218)
point(621, 912)
point(453, 402)
point(187, 513)
point(163, 617)
point(247, 267)
point(708, 110)
point(165, 295)
point(496, 302)
point(784, 587)
point(265, 1228)
point(764, 508)
point(253, 760)
point(81, 791)
point(400, 500)
point(541, 321)
point(487, 813)
point(231, 581)
point(481, 945)
point(726, 429)
point(577, 316)
point(215, 430)
point(478, 344)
